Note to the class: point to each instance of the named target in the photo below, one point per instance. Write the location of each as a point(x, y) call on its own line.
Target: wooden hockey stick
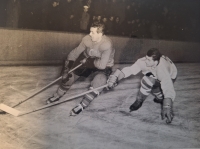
point(15, 112)
point(6, 107)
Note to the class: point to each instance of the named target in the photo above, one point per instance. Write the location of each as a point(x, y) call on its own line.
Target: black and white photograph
point(100, 74)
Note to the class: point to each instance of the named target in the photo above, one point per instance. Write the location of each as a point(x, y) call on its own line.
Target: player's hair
point(154, 53)
point(100, 27)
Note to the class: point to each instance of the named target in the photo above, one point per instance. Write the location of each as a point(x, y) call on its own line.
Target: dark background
point(177, 20)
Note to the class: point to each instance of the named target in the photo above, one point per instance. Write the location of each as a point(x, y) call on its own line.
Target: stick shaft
point(44, 87)
point(67, 99)
point(37, 92)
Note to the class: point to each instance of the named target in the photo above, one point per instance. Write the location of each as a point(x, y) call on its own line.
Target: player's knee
point(147, 84)
point(99, 80)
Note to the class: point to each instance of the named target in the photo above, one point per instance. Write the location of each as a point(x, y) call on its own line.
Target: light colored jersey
point(102, 51)
point(165, 71)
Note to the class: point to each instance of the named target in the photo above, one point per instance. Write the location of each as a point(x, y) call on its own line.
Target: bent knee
point(99, 80)
point(146, 84)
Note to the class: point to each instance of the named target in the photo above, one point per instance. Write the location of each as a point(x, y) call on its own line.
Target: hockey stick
point(41, 89)
point(15, 112)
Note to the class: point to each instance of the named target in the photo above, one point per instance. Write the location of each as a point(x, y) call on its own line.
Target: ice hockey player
point(159, 75)
point(96, 53)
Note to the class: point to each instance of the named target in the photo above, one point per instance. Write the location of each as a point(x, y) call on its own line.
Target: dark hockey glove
point(167, 110)
point(88, 62)
point(65, 74)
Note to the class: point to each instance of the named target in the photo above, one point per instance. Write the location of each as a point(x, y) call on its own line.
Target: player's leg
point(100, 79)
point(63, 88)
point(68, 78)
point(146, 86)
point(157, 92)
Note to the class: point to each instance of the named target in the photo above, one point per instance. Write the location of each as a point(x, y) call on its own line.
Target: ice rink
point(106, 123)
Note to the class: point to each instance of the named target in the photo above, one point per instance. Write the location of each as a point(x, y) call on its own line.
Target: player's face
point(149, 61)
point(96, 37)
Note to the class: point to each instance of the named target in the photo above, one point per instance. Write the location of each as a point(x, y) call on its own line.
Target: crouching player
point(96, 53)
point(159, 75)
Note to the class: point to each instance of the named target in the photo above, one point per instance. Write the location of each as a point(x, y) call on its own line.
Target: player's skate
point(53, 98)
point(76, 110)
point(138, 103)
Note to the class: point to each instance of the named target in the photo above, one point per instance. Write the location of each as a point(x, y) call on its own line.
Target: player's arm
point(68, 64)
point(124, 73)
point(102, 62)
point(166, 84)
point(74, 54)
point(169, 95)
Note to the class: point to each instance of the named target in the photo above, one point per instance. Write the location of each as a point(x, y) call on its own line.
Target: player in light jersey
point(96, 53)
point(159, 75)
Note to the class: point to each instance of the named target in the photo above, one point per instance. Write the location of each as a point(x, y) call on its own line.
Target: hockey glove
point(88, 63)
point(114, 78)
point(112, 81)
point(167, 110)
point(83, 61)
point(65, 74)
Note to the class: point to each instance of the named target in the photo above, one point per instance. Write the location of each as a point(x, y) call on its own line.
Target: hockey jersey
point(164, 72)
point(102, 51)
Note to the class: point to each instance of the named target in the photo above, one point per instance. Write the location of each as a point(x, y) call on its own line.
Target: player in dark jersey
point(96, 53)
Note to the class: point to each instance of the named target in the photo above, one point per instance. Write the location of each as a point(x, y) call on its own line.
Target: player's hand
point(66, 76)
point(83, 61)
point(167, 110)
point(65, 73)
point(112, 81)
